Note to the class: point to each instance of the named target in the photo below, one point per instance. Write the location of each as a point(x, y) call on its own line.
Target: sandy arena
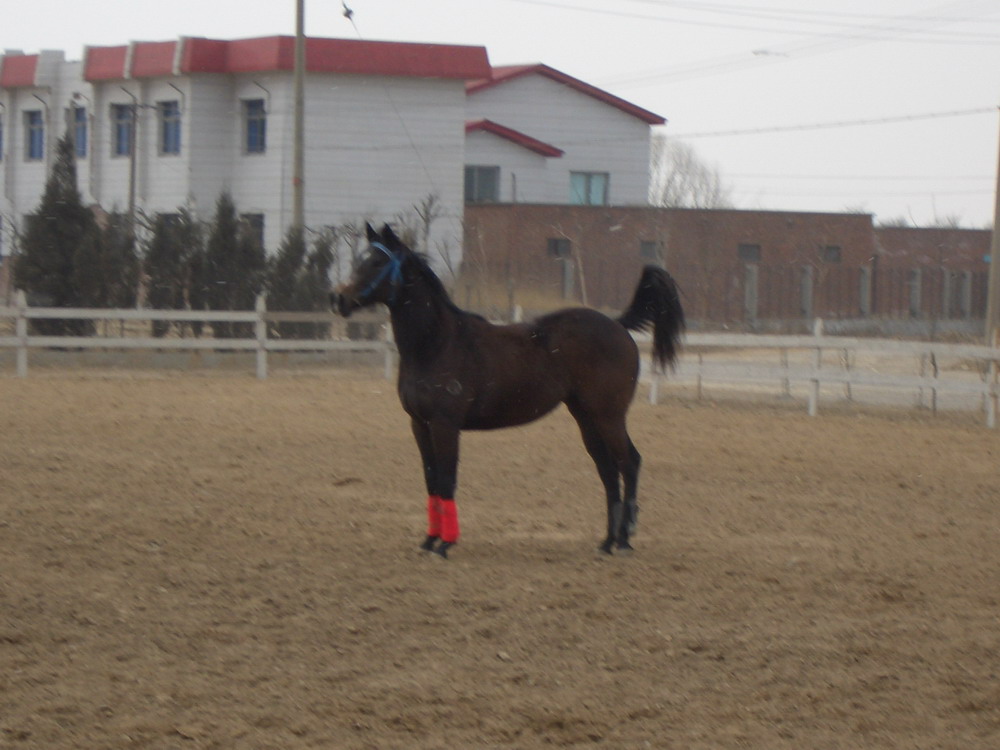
point(211, 561)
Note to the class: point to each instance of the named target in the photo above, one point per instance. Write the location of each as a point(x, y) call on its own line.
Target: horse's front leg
point(422, 434)
point(438, 444)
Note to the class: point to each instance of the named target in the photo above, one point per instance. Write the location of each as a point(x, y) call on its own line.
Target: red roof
point(18, 70)
point(503, 74)
point(514, 136)
point(198, 55)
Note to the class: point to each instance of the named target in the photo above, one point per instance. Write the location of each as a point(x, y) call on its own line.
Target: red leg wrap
point(433, 516)
point(449, 521)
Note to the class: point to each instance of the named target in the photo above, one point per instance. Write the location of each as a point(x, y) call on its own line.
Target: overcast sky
point(884, 106)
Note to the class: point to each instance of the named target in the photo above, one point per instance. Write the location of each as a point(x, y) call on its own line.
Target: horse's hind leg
point(609, 469)
point(630, 475)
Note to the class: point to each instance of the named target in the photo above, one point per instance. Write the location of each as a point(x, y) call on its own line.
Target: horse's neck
point(422, 321)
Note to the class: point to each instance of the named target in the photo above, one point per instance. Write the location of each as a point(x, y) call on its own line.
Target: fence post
point(866, 292)
point(260, 328)
point(965, 295)
point(390, 348)
point(946, 293)
point(750, 296)
point(990, 399)
point(817, 364)
point(806, 292)
point(916, 288)
point(21, 332)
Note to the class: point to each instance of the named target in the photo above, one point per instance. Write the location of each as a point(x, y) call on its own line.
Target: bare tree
point(680, 179)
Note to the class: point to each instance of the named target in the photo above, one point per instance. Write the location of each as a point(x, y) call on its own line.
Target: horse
point(458, 371)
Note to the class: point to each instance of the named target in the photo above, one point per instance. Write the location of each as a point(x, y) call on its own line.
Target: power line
point(836, 124)
point(869, 32)
point(863, 177)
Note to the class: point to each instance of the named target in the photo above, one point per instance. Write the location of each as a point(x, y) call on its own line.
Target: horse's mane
point(421, 264)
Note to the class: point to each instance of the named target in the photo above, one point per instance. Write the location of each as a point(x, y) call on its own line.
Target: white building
point(387, 125)
point(537, 135)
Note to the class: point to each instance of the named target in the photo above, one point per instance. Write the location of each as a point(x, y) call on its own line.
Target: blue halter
point(393, 270)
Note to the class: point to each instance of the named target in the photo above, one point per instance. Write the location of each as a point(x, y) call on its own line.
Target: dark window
point(558, 247)
point(482, 184)
point(79, 125)
point(748, 252)
point(831, 253)
point(254, 224)
point(170, 127)
point(650, 250)
point(254, 126)
point(34, 131)
point(121, 129)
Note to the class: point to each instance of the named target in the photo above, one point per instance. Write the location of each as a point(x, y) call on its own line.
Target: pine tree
point(172, 265)
point(299, 281)
point(235, 267)
point(61, 235)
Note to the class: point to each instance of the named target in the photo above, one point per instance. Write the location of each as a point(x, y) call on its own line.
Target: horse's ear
point(388, 236)
point(370, 231)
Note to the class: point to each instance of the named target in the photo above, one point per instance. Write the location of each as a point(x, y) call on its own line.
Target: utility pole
point(993, 287)
point(298, 149)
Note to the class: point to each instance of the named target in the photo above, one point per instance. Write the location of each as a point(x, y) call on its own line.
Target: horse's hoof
point(428, 545)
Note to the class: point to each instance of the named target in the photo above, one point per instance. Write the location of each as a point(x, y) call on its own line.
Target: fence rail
point(260, 343)
point(803, 361)
point(968, 370)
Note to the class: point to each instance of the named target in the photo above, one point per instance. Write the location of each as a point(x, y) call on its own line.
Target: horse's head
point(377, 277)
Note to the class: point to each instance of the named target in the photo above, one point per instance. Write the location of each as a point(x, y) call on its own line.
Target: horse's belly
point(515, 409)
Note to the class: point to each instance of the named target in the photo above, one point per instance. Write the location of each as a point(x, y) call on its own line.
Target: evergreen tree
point(235, 267)
point(60, 238)
point(299, 281)
point(172, 265)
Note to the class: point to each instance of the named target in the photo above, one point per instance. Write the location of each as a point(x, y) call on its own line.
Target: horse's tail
point(657, 303)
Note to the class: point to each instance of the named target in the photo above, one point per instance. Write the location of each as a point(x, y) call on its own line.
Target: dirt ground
point(211, 561)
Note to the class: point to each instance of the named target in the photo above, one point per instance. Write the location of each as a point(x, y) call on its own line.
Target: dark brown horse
point(458, 371)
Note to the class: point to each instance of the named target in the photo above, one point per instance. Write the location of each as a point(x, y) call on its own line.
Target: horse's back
point(599, 357)
point(581, 332)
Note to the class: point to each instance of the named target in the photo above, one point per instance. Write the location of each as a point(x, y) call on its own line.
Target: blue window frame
point(170, 127)
point(80, 132)
point(121, 129)
point(254, 126)
point(34, 133)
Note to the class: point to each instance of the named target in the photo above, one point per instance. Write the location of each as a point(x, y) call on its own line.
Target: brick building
point(733, 266)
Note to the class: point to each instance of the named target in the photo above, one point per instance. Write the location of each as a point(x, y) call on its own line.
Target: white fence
point(260, 344)
point(880, 371)
point(812, 365)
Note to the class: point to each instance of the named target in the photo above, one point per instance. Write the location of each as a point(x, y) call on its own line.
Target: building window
point(558, 247)
point(121, 129)
point(748, 252)
point(170, 127)
point(254, 126)
point(830, 253)
point(482, 184)
point(650, 250)
point(588, 188)
point(34, 133)
point(254, 226)
point(78, 123)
